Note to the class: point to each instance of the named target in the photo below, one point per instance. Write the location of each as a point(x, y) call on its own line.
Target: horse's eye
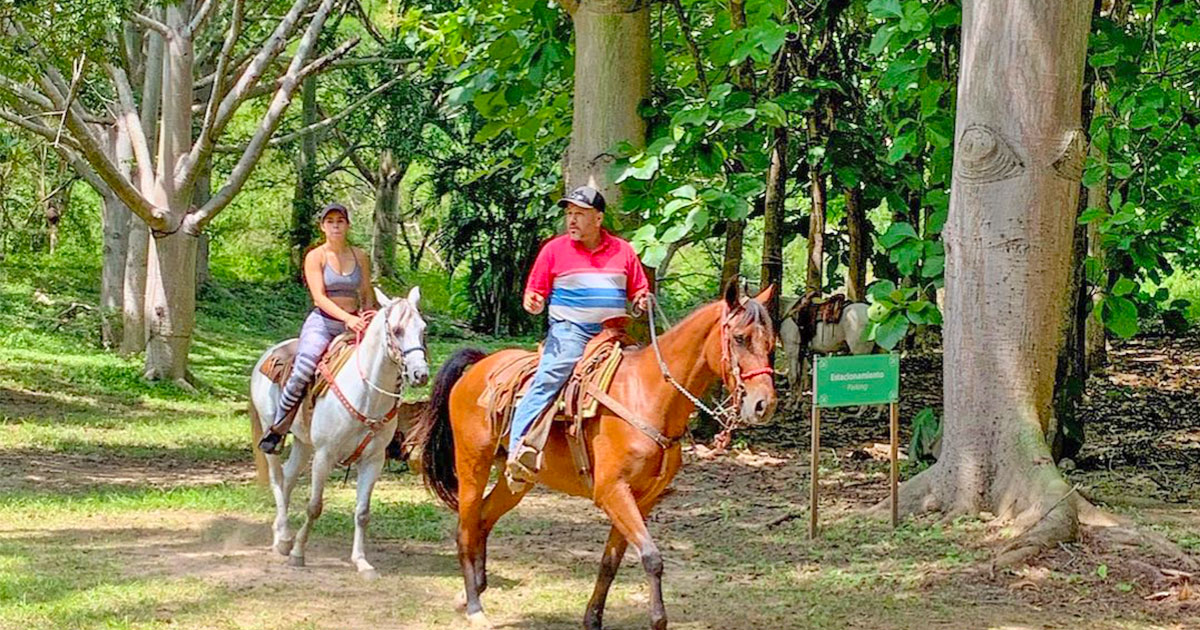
point(740, 339)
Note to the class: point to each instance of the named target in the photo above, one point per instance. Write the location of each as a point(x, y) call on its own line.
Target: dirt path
point(733, 533)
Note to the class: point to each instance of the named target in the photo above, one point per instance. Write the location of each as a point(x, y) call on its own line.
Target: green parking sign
point(869, 379)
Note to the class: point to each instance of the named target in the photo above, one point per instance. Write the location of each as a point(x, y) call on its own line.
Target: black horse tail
point(432, 433)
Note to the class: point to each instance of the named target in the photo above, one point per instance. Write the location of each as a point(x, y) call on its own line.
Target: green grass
point(99, 547)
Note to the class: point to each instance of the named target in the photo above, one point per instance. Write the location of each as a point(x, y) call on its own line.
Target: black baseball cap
point(333, 207)
point(585, 196)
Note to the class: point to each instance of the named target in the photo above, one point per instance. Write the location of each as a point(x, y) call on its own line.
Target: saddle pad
point(335, 357)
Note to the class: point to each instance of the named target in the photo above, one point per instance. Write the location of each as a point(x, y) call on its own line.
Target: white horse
point(393, 346)
point(849, 332)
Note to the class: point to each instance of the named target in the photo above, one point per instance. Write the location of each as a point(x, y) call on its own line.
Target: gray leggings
point(315, 336)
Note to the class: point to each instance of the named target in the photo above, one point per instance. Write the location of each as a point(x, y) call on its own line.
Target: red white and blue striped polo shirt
point(587, 287)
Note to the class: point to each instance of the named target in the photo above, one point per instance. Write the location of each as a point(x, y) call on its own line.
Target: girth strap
point(625, 414)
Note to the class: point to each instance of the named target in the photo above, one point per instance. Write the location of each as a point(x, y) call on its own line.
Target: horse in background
point(812, 325)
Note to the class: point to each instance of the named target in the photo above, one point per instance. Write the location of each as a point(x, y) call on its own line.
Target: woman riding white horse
point(355, 420)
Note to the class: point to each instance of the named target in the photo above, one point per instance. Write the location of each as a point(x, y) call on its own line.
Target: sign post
point(871, 379)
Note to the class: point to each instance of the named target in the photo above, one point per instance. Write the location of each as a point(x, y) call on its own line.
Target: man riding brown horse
point(587, 274)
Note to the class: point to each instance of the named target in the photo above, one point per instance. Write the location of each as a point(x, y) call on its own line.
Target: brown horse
point(729, 340)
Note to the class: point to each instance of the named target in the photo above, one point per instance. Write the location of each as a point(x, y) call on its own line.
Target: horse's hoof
point(295, 561)
point(369, 575)
point(284, 547)
point(460, 602)
point(479, 620)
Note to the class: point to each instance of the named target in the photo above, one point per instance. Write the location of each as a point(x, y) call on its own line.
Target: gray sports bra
point(343, 285)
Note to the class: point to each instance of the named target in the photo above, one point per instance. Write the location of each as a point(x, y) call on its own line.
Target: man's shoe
point(521, 469)
point(271, 443)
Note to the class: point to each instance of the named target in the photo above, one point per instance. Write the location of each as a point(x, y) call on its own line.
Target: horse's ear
point(732, 291)
point(414, 296)
point(765, 295)
point(381, 297)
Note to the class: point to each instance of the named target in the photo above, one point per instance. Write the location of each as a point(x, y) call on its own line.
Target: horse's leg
point(287, 474)
point(617, 501)
point(614, 551)
point(498, 502)
point(368, 474)
point(473, 464)
point(322, 464)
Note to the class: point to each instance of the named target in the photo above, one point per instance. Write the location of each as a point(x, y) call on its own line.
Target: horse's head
point(404, 335)
point(747, 340)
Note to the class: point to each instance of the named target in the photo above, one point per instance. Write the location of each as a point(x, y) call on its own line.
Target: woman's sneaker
point(271, 443)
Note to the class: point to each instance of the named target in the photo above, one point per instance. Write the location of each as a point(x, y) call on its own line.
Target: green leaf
point(1092, 214)
point(934, 266)
point(884, 9)
point(675, 205)
point(738, 118)
point(880, 41)
point(891, 330)
point(644, 168)
point(1121, 170)
point(1145, 116)
point(654, 255)
point(698, 217)
point(719, 92)
point(1102, 571)
point(674, 233)
point(696, 116)
point(902, 146)
point(772, 114)
point(1120, 315)
point(896, 233)
point(1105, 59)
point(881, 289)
point(1124, 286)
point(660, 146)
point(490, 130)
point(686, 191)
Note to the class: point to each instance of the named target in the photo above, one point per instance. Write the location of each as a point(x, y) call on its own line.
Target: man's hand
point(534, 303)
point(641, 303)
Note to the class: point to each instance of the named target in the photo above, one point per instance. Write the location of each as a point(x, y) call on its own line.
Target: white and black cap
point(585, 196)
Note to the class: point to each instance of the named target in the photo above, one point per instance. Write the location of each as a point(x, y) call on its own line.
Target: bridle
point(396, 353)
point(728, 414)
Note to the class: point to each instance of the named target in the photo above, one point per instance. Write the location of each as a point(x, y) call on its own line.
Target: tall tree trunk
point(735, 228)
point(772, 252)
point(383, 230)
point(133, 302)
point(814, 275)
point(612, 77)
point(115, 220)
point(202, 195)
point(860, 245)
point(304, 198)
point(171, 274)
point(772, 249)
point(1018, 161)
point(170, 305)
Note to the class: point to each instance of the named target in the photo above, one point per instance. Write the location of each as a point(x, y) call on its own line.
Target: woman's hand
point(357, 324)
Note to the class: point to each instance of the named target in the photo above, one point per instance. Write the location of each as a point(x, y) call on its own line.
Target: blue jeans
point(565, 342)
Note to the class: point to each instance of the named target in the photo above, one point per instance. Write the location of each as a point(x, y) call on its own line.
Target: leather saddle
point(278, 366)
point(595, 369)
